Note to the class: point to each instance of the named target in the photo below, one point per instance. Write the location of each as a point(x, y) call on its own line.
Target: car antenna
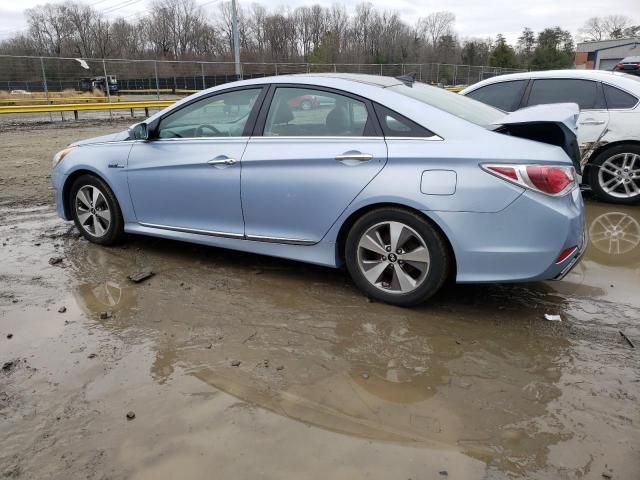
point(408, 79)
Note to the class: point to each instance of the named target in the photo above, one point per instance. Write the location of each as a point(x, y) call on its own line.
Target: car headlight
point(57, 158)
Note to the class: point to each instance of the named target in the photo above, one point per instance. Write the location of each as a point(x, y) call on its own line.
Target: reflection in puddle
point(477, 369)
point(616, 234)
point(610, 269)
point(107, 295)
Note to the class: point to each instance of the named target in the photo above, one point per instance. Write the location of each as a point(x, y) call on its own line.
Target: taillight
point(549, 179)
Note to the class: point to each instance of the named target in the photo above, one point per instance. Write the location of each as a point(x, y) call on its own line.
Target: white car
point(608, 125)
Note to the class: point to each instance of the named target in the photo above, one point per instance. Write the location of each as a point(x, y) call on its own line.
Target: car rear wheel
point(95, 211)
point(614, 175)
point(396, 256)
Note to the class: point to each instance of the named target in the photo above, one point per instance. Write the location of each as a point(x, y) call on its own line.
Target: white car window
point(504, 95)
point(616, 98)
point(564, 90)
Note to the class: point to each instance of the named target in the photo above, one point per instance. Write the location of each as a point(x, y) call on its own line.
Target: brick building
point(605, 54)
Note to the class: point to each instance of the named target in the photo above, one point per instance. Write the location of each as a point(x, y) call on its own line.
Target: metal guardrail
point(159, 90)
point(27, 100)
point(77, 107)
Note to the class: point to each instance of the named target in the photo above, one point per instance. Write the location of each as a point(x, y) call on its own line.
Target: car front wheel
point(95, 211)
point(614, 175)
point(396, 256)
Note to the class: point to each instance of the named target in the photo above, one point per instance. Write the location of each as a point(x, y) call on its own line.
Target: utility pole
point(236, 38)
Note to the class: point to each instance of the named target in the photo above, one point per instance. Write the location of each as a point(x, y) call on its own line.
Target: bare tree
point(615, 25)
point(605, 28)
point(593, 29)
point(83, 19)
point(435, 25)
point(50, 28)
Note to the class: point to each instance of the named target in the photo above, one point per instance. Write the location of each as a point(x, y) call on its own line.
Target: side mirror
point(139, 131)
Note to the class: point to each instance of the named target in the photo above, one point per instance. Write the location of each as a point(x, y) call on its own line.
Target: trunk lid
point(555, 124)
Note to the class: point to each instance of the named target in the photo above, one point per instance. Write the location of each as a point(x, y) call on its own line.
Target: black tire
point(114, 233)
point(594, 179)
point(439, 268)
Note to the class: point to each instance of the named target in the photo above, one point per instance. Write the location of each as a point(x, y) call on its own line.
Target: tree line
point(183, 30)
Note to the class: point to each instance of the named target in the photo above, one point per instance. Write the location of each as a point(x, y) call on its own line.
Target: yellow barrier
point(161, 90)
point(76, 107)
point(60, 99)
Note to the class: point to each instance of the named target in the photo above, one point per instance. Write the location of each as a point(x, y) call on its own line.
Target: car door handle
point(592, 121)
point(360, 157)
point(222, 161)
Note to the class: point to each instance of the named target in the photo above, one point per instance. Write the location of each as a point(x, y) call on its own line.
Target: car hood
point(565, 113)
point(112, 137)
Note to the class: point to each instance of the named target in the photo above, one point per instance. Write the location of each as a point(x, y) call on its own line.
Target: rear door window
point(504, 95)
point(616, 98)
point(564, 90)
point(306, 112)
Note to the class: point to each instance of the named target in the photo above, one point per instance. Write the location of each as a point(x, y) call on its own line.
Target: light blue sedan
point(405, 184)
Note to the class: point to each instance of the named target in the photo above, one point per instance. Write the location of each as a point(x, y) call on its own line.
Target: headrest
point(338, 120)
point(282, 114)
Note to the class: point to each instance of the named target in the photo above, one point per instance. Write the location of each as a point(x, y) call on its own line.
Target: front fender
point(107, 161)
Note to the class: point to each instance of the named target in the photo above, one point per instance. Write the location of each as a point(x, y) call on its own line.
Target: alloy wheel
point(93, 211)
point(393, 257)
point(619, 175)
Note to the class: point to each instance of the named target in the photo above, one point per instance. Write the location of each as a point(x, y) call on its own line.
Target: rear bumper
point(575, 258)
point(518, 244)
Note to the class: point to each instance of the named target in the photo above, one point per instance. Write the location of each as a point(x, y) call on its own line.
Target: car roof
point(373, 80)
point(614, 78)
point(630, 59)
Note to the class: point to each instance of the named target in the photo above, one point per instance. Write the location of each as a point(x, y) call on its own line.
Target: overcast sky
point(474, 18)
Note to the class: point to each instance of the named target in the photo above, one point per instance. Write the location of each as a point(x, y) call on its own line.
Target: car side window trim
point(601, 103)
point(249, 125)
point(524, 98)
point(372, 127)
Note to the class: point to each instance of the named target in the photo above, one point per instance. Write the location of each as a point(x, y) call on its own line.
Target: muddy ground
point(474, 385)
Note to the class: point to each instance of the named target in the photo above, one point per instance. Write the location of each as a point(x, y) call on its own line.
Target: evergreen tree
point(503, 55)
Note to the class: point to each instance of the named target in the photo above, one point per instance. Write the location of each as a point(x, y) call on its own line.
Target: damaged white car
point(608, 125)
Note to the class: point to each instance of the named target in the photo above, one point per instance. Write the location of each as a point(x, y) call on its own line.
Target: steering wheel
point(200, 130)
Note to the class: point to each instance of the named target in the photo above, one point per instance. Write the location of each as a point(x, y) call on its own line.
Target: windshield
point(458, 105)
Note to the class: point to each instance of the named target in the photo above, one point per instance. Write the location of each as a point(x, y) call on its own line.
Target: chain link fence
point(113, 77)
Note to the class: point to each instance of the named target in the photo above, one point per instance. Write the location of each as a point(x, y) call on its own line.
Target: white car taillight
point(549, 179)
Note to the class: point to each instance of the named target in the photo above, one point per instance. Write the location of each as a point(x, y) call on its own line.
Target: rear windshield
point(458, 105)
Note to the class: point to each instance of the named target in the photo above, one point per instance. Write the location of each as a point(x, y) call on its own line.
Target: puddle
point(477, 372)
